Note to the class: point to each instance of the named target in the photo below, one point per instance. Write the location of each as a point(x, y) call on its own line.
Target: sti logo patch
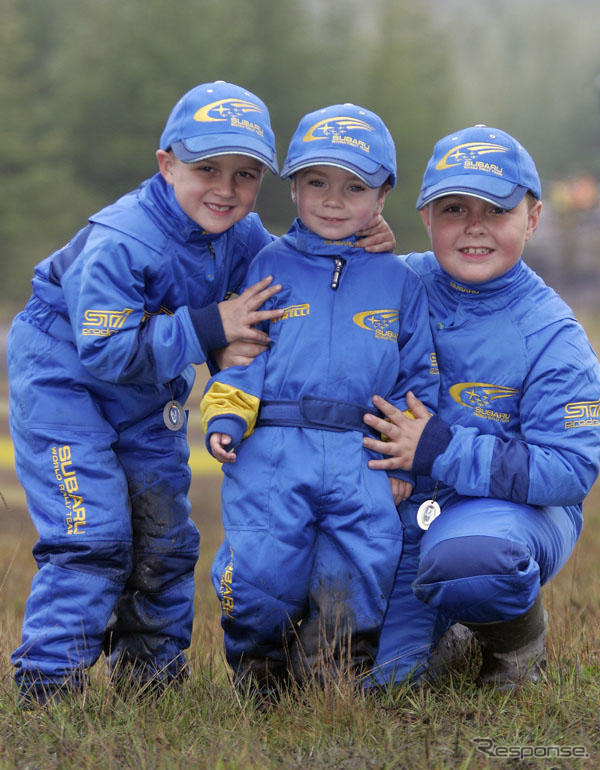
point(336, 129)
point(104, 322)
point(470, 156)
point(479, 396)
point(379, 322)
point(233, 110)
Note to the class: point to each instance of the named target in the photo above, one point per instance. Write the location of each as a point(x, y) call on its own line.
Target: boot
point(513, 651)
point(452, 651)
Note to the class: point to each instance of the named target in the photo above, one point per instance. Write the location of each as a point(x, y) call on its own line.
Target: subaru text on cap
point(482, 162)
point(220, 119)
point(345, 136)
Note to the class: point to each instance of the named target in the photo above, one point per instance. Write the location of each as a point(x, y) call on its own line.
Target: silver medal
point(428, 511)
point(173, 415)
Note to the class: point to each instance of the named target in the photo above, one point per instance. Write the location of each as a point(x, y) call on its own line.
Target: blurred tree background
point(86, 86)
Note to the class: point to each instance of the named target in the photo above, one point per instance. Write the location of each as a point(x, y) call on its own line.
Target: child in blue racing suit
point(515, 447)
point(100, 365)
point(312, 537)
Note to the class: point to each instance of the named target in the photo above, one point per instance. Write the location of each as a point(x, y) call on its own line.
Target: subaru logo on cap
point(226, 109)
point(220, 118)
point(470, 150)
point(482, 162)
point(332, 127)
point(346, 136)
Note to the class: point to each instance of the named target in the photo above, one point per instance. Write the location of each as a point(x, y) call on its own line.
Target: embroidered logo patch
point(580, 414)
point(380, 322)
point(480, 397)
point(232, 110)
point(470, 154)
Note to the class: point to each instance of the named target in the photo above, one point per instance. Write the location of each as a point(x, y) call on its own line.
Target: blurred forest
point(86, 86)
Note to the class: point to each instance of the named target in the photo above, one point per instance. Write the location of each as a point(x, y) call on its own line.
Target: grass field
point(451, 724)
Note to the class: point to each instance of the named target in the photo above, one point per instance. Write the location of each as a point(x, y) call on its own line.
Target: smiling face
point(334, 203)
point(476, 241)
point(214, 192)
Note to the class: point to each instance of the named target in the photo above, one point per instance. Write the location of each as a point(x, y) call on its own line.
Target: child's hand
point(218, 448)
point(239, 353)
point(377, 236)
point(401, 490)
point(239, 314)
point(402, 432)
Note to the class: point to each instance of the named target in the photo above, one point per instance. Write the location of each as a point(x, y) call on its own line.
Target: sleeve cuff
point(233, 426)
point(209, 327)
point(433, 442)
point(402, 475)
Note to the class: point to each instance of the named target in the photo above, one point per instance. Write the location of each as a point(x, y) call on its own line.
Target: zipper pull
point(212, 263)
point(338, 263)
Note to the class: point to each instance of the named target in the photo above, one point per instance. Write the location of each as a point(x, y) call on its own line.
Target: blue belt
point(313, 412)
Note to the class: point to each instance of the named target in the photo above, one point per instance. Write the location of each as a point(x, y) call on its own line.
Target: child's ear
point(424, 212)
point(533, 219)
point(165, 165)
point(382, 196)
point(293, 190)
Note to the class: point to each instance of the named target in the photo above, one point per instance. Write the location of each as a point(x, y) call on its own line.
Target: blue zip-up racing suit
point(116, 320)
point(311, 533)
point(517, 452)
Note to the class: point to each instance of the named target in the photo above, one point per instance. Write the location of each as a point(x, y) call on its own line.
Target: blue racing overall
point(312, 534)
point(116, 320)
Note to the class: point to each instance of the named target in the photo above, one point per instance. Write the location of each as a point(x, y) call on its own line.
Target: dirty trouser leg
point(359, 541)
point(152, 622)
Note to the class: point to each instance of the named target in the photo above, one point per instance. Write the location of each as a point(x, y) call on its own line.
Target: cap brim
point(375, 178)
point(500, 192)
point(201, 147)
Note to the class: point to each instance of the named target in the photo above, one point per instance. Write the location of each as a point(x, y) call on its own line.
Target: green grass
point(208, 725)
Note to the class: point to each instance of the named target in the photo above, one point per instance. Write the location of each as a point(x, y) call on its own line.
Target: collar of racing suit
point(307, 242)
point(518, 276)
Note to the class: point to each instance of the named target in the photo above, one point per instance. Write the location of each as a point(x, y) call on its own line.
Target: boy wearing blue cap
point(312, 538)
point(505, 465)
point(100, 364)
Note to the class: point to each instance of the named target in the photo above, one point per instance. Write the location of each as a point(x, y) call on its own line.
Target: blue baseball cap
point(483, 162)
point(220, 119)
point(345, 136)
